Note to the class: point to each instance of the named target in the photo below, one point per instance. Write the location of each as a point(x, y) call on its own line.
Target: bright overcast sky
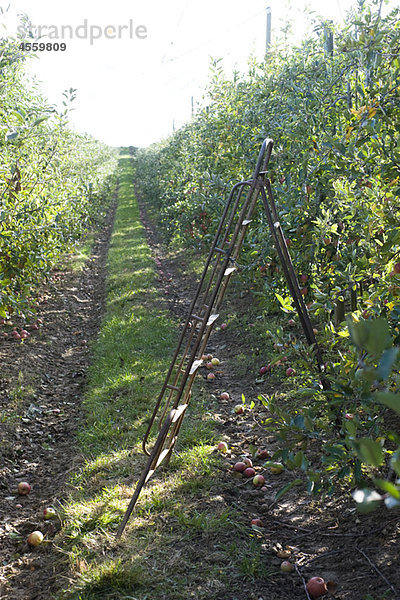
point(132, 90)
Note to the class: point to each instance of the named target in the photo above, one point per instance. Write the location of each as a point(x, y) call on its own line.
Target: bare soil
point(358, 552)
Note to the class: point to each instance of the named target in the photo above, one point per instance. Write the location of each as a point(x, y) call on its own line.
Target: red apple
point(396, 268)
point(258, 480)
point(35, 538)
point(257, 522)
point(265, 369)
point(249, 472)
point(223, 326)
point(316, 587)
point(223, 447)
point(247, 461)
point(24, 488)
point(239, 466)
point(224, 396)
point(290, 372)
point(24, 334)
point(239, 409)
point(304, 278)
point(209, 365)
point(262, 453)
point(210, 376)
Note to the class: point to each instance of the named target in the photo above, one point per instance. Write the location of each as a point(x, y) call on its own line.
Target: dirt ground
point(39, 421)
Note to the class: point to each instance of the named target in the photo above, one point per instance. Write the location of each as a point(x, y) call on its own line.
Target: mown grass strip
point(181, 520)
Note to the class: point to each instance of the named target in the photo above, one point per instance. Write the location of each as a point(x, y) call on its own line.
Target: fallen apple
point(223, 326)
point(240, 466)
point(24, 488)
point(258, 480)
point(222, 447)
point(239, 409)
point(316, 587)
point(211, 376)
point(257, 522)
point(249, 472)
point(215, 362)
point(290, 372)
point(287, 566)
point(265, 369)
point(209, 365)
point(49, 513)
point(262, 453)
point(247, 461)
point(224, 396)
point(35, 538)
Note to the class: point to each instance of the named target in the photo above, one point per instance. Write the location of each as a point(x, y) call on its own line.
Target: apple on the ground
point(316, 587)
point(249, 472)
point(287, 566)
point(24, 488)
point(35, 538)
point(222, 447)
point(258, 480)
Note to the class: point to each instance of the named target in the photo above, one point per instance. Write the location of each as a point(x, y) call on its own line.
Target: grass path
point(175, 543)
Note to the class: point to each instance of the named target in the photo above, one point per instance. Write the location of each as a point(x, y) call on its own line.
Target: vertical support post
point(328, 38)
point(268, 30)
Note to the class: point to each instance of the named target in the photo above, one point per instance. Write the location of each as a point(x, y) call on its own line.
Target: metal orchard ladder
point(203, 313)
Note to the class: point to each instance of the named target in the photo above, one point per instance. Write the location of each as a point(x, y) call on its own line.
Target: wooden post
point(339, 311)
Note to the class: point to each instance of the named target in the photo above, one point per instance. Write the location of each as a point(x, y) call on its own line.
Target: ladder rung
point(229, 271)
point(195, 365)
point(178, 412)
point(197, 318)
point(212, 319)
point(172, 387)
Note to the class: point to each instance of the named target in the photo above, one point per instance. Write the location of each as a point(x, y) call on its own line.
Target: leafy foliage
point(334, 118)
point(53, 182)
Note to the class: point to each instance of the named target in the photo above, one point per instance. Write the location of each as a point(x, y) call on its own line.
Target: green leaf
point(388, 487)
point(388, 358)
point(39, 120)
point(286, 488)
point(373, 336)
point(389, 399)
point(369, 451)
